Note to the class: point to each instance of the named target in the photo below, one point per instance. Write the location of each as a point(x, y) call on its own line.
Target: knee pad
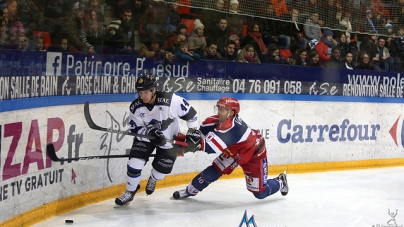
point(272, 187)
point(134, 167)
point(263, 194)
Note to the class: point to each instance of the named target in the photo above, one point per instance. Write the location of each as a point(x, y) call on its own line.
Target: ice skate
point(181, 194)
point(282, 177)
point(126, 198)
point(151, 185)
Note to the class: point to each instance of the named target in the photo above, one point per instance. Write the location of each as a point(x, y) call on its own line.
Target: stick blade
point(50, 150)
point(88, 118)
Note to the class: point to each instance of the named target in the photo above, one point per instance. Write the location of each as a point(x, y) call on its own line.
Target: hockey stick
point(50, 150)
point(94, 126)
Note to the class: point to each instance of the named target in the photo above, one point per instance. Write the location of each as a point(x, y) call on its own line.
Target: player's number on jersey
point(184, 105)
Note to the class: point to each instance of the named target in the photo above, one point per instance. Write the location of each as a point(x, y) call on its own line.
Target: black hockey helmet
point(145, 82)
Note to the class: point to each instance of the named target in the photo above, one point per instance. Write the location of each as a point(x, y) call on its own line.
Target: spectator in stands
point(383, 58)
point(312, 30)
point(367, 23)
point(324, 47)
point(329, 13)
point(70, 27)
point(119, 38)
point(139, 8)
point(37, 44)
point(343, 43)
point(15, 26)
point(369, 45)
point(197, 41)
point(220, 31)
point(55, 11)
point(248, 55)
point(313, 6)
point(93, 32)
point(379, 22)
point(174, 46)
point(229, 52)
point(290, 31)
point(301, 57)
point(365, 63)
point(22, 42)
point(78, 16)
point(400, 18)
point(391, 45)
point(345, 22)
point(280, 7)
point(236, 21)
point(348, 61)
point(354, 7)
point(4, 38)
point(173, 18)
point(236, 39)
point(155, 21)
point(183, 52)
point(335, 60)
point(254, 37)
point(211, 16)
point(389, 29)
point(98, 7)
point(4, 14)
point(30, 16)
point(181, 29)
point(269, 26)
point(273, 56)
point(399, 43)
point(210, 52)
point(314, 59)
point(155, 52)
point(66, 47)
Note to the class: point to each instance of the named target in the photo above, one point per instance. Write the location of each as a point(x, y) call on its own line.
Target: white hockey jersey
point(164, 115)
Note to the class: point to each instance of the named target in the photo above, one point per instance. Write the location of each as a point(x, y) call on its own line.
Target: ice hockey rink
point(368, 198)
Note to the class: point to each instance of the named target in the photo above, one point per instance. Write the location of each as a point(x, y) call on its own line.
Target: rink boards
point(301, 136)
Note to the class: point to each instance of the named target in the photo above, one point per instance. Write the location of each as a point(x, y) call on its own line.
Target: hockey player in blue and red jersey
point(239, 145)
point(156, 115)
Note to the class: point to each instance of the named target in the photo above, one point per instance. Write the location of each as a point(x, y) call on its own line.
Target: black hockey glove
point(194, 141)
point(158, 138)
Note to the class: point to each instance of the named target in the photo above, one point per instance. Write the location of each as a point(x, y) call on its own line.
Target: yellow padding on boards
point(74, 202)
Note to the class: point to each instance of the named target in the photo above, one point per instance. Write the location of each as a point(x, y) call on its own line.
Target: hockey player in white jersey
point(156, 114)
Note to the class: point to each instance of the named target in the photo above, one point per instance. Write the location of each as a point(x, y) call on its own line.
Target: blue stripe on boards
point(20, 104)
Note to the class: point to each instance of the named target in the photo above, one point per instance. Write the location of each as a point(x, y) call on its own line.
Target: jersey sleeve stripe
point(245, 135)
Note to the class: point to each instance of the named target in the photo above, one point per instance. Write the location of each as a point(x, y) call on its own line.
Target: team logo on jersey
point(162, 125)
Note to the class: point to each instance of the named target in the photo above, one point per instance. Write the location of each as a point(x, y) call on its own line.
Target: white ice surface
point(340, 199)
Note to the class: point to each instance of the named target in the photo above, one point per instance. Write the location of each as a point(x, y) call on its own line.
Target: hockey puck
point(68, 221)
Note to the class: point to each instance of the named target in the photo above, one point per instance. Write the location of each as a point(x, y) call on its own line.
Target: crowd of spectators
point(351, 34)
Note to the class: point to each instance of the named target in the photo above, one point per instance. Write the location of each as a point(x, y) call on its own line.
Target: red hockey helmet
point(229, 103)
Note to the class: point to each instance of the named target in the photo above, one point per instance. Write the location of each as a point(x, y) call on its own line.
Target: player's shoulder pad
point(163, 98)
point(135, 105)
